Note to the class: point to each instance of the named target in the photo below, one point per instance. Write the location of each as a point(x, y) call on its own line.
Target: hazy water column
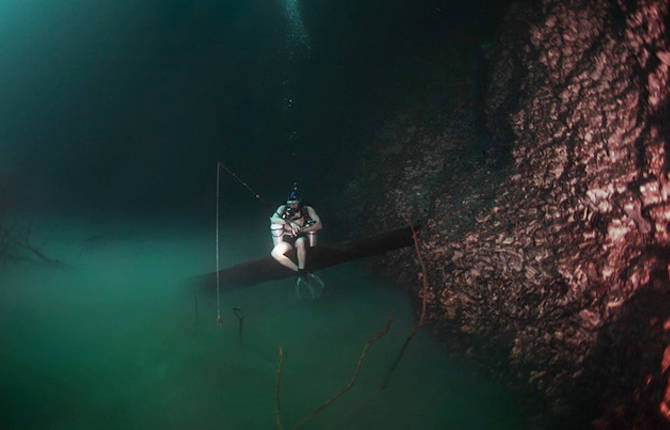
point(298, 48)
point(298, 39)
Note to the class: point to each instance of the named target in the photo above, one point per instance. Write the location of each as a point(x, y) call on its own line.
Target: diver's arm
point(316, 225)
point(276, 217)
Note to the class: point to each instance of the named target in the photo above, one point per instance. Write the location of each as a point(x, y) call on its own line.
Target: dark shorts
point(291, 239)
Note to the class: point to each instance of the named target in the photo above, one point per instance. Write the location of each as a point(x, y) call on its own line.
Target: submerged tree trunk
point(267, 269)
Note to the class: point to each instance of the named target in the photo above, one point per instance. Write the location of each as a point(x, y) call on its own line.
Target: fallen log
point(319, 257)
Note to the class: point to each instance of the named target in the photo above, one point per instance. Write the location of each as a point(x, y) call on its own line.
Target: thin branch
point(42, 256)
point(240, 322)
point(277, 385)
point(422, 318)
point(14, 239)
point(353, 377)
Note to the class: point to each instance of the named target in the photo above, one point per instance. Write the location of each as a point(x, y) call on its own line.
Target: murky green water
point(114, 342)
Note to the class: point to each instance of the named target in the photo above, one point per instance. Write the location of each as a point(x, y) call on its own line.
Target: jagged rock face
point(569, 272)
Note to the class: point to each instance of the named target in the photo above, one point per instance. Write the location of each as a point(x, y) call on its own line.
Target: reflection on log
point(267, 269)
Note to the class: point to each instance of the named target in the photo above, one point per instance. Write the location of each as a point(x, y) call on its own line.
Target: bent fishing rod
point(257, 196)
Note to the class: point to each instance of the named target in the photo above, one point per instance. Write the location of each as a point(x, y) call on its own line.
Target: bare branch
point(422, 318)
point(353, 377)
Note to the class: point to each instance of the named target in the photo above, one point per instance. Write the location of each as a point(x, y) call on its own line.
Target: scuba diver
point(294, 225)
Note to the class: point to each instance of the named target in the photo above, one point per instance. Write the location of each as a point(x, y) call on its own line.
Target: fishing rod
point(257, 196)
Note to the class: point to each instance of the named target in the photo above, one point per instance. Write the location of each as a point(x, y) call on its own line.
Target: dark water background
point(113, 117)
point(127, 105)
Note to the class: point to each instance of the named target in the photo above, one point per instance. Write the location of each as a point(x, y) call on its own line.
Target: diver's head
point(293, 201)
point(294, 198)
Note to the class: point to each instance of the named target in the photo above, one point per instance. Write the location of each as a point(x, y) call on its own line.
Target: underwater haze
point(115, 114)
point(118, 341)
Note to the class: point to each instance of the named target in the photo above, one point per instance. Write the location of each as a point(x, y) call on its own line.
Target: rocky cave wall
point(562, 265)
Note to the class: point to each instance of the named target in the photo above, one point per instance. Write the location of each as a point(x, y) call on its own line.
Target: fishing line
point(244, 184)
point(219, 320)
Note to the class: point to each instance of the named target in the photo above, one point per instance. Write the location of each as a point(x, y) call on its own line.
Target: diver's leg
point(301, 280)
point(278, 254)
point(308, 279)
point(301, 251)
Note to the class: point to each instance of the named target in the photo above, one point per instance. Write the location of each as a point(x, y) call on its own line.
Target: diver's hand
point(295, 228)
